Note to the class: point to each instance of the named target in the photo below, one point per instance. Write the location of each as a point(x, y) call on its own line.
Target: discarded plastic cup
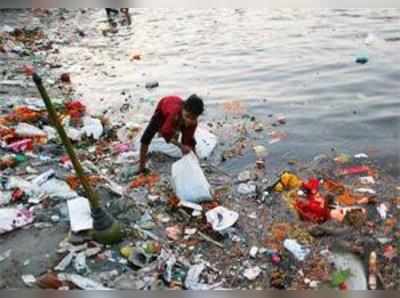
point(221, 218)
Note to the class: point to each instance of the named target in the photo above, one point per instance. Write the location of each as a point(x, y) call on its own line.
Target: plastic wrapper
point(13, 218)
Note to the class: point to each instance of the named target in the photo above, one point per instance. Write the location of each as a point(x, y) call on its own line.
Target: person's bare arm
point(143, 157)
point(185, 149)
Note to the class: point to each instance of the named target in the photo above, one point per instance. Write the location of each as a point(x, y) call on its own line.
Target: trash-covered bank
point(258, 229)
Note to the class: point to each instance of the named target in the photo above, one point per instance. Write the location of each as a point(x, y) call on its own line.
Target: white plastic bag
point(189, 181)
point(92, 127)
point(206, 143)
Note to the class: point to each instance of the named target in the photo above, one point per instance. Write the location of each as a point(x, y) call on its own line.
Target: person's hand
point(185, 149)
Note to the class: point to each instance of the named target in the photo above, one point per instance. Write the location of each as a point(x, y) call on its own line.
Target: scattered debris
point(382, 210)
point(5, 255)
point(152, 84)
point(362, 59)
point(80, 214)
point(29, 280)
point(296, 249)
point(12, 218)
point(247, 188)
point(252, 273)
point(179, 234)
point(221, 218)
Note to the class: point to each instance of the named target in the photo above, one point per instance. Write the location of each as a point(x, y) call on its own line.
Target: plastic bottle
point(372, 269)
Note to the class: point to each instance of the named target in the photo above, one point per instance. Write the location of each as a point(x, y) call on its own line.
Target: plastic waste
point(80, 214)
point(190, 205)
point(73, 133)
point(21, 146)
point(174, 232)
point(7, 29)
point(28, 280)
point(65, 262)
point(221, 218)
point(296, 249)
point(51, 132)
point(92, 127)
point(252, 273)
point(193, 277)
point(13, 183)
point(382, 210)
point(82, 282)
point(80, 263)
point(247, 188)
point(39, 180)
point(367, 180)
point(189, 181)
point(13, 218)
point(90, 252)
point(121, 148)
point(253, 252)
point(167, 263)
point(260, 151)
point(365, 190)
point(372, 271)
point(56, 188)
point(27, 130)
point(205, 144)
point(354, 170)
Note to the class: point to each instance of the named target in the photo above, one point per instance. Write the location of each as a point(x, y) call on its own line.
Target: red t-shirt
point(170, 110)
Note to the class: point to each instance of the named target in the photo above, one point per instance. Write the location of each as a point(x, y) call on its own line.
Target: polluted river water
point(298, 63)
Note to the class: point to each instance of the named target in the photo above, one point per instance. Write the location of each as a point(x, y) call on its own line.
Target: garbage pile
point(187, 223)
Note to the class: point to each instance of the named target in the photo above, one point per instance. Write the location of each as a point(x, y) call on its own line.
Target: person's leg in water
point(111, 12)
point(125, 11)
point(145, 141)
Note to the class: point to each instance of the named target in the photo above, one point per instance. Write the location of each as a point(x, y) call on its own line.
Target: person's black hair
point(194, 105)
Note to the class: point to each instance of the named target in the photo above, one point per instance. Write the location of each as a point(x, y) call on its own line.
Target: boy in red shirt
point(173, 115)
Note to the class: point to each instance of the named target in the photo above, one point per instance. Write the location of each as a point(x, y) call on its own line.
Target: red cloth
point(170, 110)
point(75, 109)
point(312, 210)
point(312, 186)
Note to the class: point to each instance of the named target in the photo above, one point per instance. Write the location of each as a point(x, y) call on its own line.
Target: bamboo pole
point(92, 195)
